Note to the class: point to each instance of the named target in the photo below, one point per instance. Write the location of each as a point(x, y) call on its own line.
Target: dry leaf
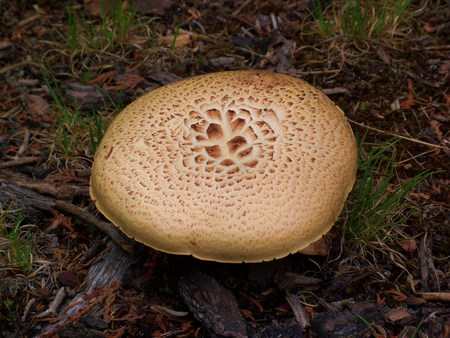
point(409, 245)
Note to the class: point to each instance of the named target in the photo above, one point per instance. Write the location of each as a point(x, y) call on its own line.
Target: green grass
point(107, 32)
point(369, 326)
point(416, 330)
point(378, 204)
point(97, 128)
point(361, 18)
point(74, 127)
point(379, 208)
point(19, 237)
point(175, 36)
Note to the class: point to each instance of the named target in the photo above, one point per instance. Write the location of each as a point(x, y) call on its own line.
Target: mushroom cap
point(239, 166)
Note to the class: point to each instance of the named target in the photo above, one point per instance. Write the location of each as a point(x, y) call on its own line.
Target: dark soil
point(388, 85)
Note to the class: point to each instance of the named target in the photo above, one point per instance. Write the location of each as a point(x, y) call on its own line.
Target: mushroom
point(238, 166)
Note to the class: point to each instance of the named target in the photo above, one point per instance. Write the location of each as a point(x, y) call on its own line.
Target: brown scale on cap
point(232, 166)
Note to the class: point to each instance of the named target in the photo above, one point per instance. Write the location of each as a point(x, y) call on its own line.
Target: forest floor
point(67, 69)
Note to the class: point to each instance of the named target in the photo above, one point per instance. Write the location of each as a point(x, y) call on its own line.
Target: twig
point(274, 21)
point(27, 309)
point(241, 7)
point(28, 20)
point(399, 136)
point(51, 311)
point(106, 227)
point(19, 162)
point(336, 90)
point(24, 190)
point(437, 296)
point(24, 145)
point(423, 262)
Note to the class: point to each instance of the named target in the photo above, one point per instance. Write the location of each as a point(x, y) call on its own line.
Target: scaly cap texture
point(231, 166)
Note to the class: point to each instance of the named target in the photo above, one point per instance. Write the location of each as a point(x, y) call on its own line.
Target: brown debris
point(409, 245)
point(28, 191)
point(346, 323)
point(101, 284)
point(291, 279)
point(436, 296)
point(399, 316)
point(403, 78)
point(299, 311)
point(52, 310)
point(213, 305)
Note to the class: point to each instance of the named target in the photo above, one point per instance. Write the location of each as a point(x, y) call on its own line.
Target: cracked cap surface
point(230, 166)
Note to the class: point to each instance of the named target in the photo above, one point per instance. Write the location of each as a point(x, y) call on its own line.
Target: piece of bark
point(399, 316)
point(346, 323)
point(346, 284)
point(291, 279)
point(112, 268)
point(299, 311)
point(212, 305)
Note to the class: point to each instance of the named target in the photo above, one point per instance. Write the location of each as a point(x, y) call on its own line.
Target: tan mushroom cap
point(231, 166)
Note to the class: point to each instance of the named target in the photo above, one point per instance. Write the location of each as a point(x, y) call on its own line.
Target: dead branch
point(17, 188)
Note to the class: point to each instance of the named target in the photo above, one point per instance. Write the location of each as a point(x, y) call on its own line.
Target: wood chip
point(291, 279)
point(212, 305)
point(399, 316)
point(299, 311)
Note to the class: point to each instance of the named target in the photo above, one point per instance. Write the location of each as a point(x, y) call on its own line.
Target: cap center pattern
point(228, 140)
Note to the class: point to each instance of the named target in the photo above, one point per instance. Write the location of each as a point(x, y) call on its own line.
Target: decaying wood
point(436, 296)
point(28, 194)
point(108, 272)
point(400, 316)
point(291, 279)
point(213, 305)
point(347, 323)
point(58, 190)
point(299, 311)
